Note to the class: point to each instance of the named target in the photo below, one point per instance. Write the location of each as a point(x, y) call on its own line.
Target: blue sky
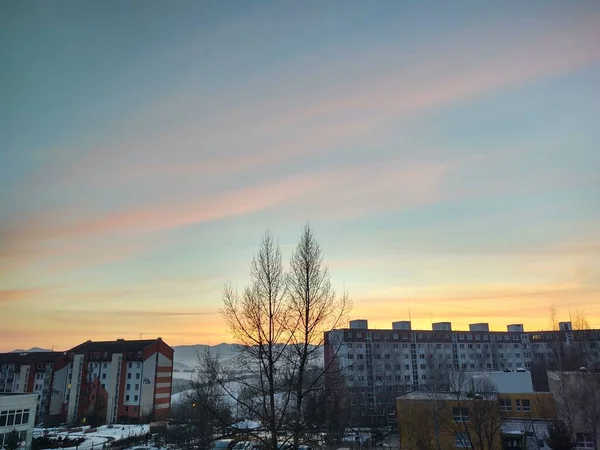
point(444, 152)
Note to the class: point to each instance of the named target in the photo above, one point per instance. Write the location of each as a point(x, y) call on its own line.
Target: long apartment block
point(379, 364)
point(95, 382)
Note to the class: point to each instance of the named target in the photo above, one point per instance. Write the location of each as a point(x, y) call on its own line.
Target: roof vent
point(120, 340)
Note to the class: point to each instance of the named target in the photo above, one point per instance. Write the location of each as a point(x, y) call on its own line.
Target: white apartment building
point(17, 413)
point(378, 365)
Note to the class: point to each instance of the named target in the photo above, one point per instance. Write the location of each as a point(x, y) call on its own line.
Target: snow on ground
point(180, 396)
point(97, 438)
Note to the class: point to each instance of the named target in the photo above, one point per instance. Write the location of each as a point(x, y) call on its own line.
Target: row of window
point(448, 355)
point(523, 405)
point(14, 417)
point(440, 336)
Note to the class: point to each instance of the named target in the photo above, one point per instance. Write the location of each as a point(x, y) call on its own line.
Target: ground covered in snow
point(94, 437)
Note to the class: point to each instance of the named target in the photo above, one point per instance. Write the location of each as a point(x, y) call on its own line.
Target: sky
point(445, 153)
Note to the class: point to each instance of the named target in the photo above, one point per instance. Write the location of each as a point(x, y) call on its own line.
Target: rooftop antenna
point(141, 335)
point(409, 318)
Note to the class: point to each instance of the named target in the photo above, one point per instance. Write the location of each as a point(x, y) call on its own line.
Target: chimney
point(403, 325)
point(479, 327)
point(442, 326)
point(359, 324)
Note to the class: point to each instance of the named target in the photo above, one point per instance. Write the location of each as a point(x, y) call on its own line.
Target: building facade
point(379, 365)
point(23, 372)
point(97, 382)
point(500, 420)
point(17, 414)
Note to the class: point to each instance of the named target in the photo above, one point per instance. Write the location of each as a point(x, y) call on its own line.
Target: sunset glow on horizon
point(446, 156)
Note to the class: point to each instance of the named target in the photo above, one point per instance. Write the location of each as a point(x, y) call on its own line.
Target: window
point(518, 405)
point(526, 405)
point(505, 404)
point(104, 376)
point(129, 376)
point(460, 414)
point(584, 440)
point(127, 398)
point(130, 365)
point(128, 386)
point(135, 409)
point(126, 409)
point(462, 440)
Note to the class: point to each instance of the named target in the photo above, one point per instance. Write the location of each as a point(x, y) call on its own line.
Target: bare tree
point(475, 412)
point(260, 320)
point(207, 406)
point(316, 309)
point(587, 402)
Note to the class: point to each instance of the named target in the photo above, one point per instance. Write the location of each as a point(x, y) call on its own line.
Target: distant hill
point(186, 356)
point(31, 350)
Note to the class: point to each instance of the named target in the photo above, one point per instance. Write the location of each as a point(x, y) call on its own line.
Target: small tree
point(12, 440)
point(560, 436)
point(207, 406)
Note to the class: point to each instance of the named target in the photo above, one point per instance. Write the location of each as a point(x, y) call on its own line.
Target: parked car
point(247, 445)
point(224, 444)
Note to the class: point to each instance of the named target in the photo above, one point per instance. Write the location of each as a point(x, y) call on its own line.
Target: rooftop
point(424, 395)
point(30, 357)
point(118, 346)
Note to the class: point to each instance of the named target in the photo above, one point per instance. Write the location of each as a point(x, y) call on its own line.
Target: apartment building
point(95, 382)
point(17, 414)
point(497, 419)
point(113, 381)
point(379, 365)
point(23, 372)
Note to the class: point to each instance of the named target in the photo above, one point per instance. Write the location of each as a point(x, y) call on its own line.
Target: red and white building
point(29, 372)
point(99, 382)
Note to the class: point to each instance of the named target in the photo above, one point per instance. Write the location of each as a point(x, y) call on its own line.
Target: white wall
point(74, 387)
point(133, 380)
point(111, 384)
point(59, 390)
point(27, 402)
point(508, 382)
point(22, 378)
point(148, 379)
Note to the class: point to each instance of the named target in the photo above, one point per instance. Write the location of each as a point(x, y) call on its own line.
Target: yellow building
point(440, 421)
